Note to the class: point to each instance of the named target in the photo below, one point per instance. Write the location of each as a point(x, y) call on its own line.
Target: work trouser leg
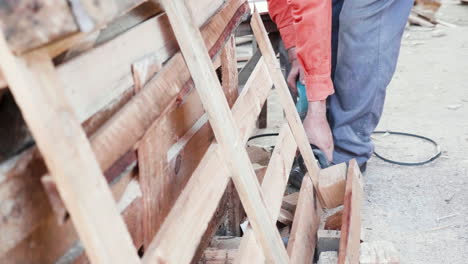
point(367, 38)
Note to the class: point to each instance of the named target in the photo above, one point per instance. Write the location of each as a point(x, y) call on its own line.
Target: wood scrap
point(290, 202)
point(333, 222)
point(378, 252)
point(218, 256)
point(285, 217)
point(351, 222)
point(332, 181)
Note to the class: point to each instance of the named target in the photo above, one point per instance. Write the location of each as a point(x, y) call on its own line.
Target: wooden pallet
point(76, 162)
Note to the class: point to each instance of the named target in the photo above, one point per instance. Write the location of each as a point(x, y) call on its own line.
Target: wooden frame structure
point(76, 163)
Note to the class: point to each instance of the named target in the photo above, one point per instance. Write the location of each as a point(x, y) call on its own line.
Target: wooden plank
point(332, 182)
point(50, 241)
point(351, 223)
point(69, 156)
point(301, 245)
point(210, 91)
point(292, 116)
point(197, 202)
point(218, 256)
point(89, 92)
point(273, 187)
point(285, 217)
point(27, 24)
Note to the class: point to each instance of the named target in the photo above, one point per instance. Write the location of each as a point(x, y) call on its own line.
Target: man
point(345, 52)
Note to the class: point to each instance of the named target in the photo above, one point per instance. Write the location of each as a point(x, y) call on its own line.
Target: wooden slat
point(198, 200)
point(301, 245)
point(350, 239)
point(235, 156)
point(68, 156)
point(292, 116)
point(273, 187)
point(332, 182)
point(230, 83)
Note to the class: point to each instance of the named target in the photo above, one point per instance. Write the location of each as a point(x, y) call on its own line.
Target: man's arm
point(305, 27)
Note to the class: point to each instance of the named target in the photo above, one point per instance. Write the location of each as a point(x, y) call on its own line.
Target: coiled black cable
point(438, 153)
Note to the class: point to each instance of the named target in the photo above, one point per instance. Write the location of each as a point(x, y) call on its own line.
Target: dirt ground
point(422, 210)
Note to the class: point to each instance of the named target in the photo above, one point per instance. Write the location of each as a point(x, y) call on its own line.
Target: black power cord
point(438, 153)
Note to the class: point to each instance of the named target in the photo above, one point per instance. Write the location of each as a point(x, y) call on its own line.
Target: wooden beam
point(351, 223)
point(227, 135)
point(68, 156)
point(273, 186)
point(44, 22)
point(230, 84)
point(292, 116)
point(332, 182)
point(197, 202)
point(303, 239)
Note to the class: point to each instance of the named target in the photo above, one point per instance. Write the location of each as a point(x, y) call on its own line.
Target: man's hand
point(317, 128)
point(296, 71)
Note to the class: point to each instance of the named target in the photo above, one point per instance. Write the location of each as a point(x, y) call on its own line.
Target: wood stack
point(139, 150)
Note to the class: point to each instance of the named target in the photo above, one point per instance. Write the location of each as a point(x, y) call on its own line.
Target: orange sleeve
point(312, 37)
point(280, 13)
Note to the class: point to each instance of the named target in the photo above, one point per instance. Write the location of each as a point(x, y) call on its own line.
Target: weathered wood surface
point(351, 221)
point(30, 24)
point(68, 156)
point(198, 200)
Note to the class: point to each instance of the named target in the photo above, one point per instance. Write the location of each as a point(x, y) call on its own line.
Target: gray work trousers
point(366, 38)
